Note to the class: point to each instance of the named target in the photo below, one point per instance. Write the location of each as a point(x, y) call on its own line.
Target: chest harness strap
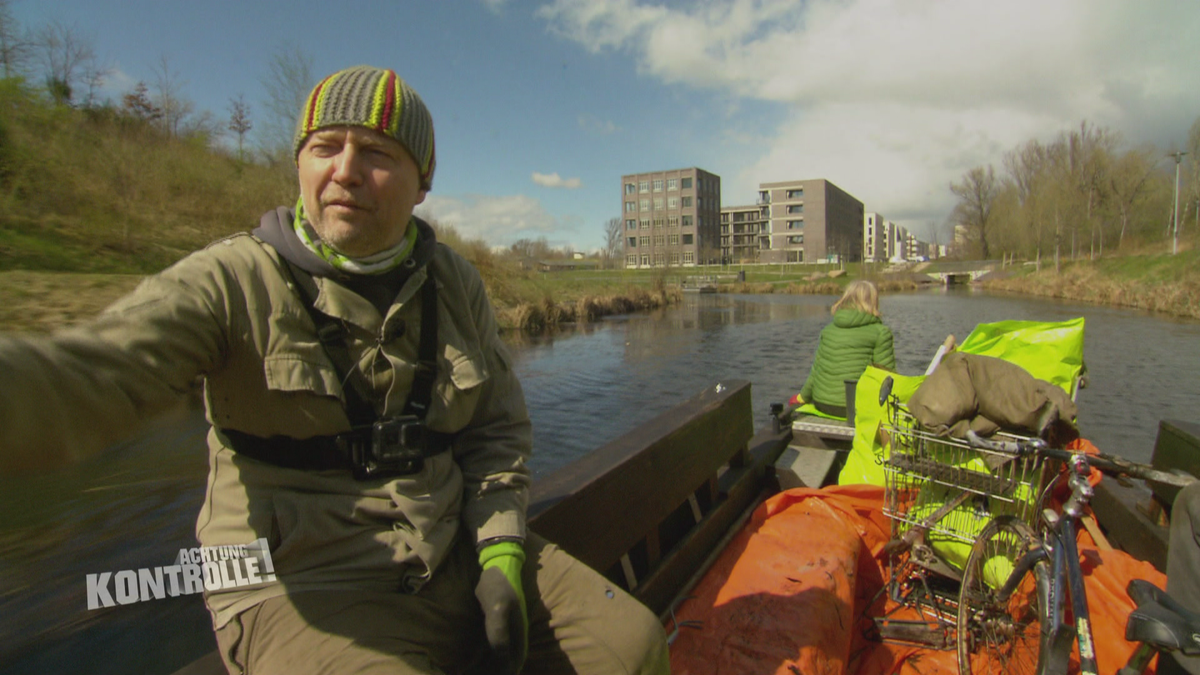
point(374, 447)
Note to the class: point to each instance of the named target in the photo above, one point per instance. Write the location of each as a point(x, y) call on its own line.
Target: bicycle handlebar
point(1112, 465)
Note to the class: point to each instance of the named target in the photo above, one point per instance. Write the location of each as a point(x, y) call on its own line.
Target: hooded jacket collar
point(852, 318)
point(275, 228)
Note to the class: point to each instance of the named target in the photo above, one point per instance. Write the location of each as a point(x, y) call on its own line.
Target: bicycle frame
point(1058, 547)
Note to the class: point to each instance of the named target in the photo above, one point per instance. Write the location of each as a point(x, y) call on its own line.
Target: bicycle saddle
point(1160, 621)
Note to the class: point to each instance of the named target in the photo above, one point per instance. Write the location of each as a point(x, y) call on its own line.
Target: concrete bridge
point(960, 272)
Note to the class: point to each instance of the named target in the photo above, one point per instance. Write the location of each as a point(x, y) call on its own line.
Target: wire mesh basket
point(949, 490)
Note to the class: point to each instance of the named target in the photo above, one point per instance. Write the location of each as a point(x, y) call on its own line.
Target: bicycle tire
point(995, 637)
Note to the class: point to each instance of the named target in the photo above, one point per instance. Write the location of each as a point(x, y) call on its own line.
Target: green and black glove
point(503, 601)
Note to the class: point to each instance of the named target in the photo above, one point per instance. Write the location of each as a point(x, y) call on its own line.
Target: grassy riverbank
point(45, 301)
point(1159, 282)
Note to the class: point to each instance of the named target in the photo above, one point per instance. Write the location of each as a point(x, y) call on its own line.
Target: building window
point(672, 202)
point(644, 186)
point(795, 208)
point(645, 261)
point(672, 184)
point(686, 201)
point(644, 204)
point(699, 202)
point(631, 224)
point(795, 194)
point(633, 242)
point(630, 206)
point(631, 261)
point(688, 239)
point(795, 224)
point(685, 183)
point(674, 257)
point(630, 188)
point(673, 240)
point(672, 221)
point(658, 203)
point(645, 223)
point(658, 185)
point(688, 258)
point(659, 259)
point(658, 223)
point(797, 239)
point(659, 240)
point(644, 241)
point(687, 221)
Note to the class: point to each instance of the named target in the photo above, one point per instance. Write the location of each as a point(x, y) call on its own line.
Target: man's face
point(359, 188)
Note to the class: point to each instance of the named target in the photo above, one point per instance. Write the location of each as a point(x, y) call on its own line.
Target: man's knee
point(648, 650)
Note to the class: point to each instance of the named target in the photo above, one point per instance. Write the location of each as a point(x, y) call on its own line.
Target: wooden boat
point(654, 508)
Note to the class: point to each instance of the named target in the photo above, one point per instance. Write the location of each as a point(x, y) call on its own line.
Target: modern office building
point(745, 232)
point(874, 238)
point(811, 221)
point(671, 218)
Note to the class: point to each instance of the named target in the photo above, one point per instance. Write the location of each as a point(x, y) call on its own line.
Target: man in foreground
point(366, 423)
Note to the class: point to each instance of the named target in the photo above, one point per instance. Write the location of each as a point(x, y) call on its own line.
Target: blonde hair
point(860, 295)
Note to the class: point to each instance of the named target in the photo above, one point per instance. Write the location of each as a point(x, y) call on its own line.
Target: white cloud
point(553, 180)
point(596, 125)
point(494, 6)
point(893, 100)
point(116, 84)
point(499, 221)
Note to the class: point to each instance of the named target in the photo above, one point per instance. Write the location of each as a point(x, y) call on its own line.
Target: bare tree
point(287, 83)
point(92, 78)
point(239, 121)
point(1193, 174)
point(64, 54)
point(538, 249)
point(977, 195)
point(614, 244)
point(1026, 167)
point(201, 126)
point(1091, 150)
point(168, 98)
point(1127, 181)
point(15, 47)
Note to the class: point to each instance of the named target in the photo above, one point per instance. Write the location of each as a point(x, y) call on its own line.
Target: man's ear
point(420, 197)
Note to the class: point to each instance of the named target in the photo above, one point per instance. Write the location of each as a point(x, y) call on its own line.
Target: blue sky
point(889, 100)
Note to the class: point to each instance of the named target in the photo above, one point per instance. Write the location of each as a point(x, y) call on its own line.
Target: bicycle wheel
point(1001, 635)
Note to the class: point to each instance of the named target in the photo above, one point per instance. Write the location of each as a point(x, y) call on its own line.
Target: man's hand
point(503, 601)
point(796, 401)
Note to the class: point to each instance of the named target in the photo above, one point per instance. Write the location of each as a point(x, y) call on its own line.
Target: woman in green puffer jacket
point(856, 339)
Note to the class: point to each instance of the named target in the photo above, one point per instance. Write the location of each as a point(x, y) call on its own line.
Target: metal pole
point(1178, 155)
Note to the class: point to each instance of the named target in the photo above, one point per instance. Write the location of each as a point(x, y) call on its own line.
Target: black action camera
point(397, 446)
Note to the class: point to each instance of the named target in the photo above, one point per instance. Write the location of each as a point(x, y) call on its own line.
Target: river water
point(135, 507)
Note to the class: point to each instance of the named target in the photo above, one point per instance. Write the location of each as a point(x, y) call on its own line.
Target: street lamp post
point(1178, 155)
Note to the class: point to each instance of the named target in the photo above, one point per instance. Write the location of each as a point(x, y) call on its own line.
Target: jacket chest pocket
point(457, 393)
point(293, 373)
point(284, 394)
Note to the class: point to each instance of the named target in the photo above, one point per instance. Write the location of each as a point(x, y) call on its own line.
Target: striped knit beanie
point(375, 98)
